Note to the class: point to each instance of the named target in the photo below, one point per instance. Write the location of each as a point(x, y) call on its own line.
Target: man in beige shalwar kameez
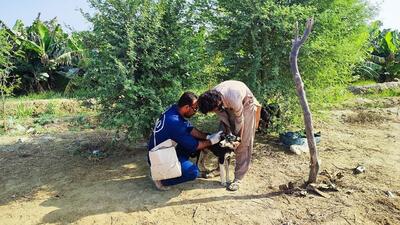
point(236, 107)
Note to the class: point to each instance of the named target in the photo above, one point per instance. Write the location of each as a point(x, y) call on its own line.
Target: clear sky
point(67, 12)
point(389, 13)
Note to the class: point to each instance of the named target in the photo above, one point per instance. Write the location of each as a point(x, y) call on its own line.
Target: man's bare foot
point(160, 186)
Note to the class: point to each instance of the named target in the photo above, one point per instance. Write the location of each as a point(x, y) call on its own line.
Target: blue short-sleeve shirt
point(171, 125)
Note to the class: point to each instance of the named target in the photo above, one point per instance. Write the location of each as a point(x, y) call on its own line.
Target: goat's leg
point(226, 164)
point(202, 163)
point(222, 174)
point(213, 173)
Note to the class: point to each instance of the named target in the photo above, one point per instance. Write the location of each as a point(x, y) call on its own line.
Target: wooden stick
point(297, 43)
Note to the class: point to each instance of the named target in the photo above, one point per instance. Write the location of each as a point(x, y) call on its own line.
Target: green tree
point(141, 55)
point(8, 82)
point(254, 39)
point(383, 55)
point(50, 56)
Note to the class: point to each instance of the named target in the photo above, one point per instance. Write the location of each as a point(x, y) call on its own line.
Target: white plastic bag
point(164, 161)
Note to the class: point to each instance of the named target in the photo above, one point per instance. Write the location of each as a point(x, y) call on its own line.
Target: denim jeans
point(189, 172)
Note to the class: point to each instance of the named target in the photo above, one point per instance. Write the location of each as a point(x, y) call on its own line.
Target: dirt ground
point(47, 179)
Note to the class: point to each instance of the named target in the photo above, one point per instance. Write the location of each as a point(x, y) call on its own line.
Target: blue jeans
point(189, 172)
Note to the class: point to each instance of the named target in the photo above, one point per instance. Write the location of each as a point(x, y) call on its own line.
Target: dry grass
point(364, 116)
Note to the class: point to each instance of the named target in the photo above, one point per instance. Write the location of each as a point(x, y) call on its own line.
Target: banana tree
point(49, 54)
point(383, 61)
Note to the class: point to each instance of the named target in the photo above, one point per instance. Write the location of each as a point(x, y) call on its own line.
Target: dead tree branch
point(297, 43)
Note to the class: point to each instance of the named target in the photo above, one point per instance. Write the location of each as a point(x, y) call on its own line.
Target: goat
point(224, 150)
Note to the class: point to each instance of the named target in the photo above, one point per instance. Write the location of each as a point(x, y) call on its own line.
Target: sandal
point(234, 186)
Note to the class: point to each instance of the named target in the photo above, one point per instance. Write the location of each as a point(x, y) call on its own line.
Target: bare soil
point(51, 179)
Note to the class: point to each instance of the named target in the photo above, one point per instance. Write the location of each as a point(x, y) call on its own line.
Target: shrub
point(141, 56)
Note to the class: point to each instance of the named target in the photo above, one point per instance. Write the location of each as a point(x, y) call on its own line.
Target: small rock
point(298, 149)
point(390, 194)
point(20, 128)
point(21, 140)
point(339, 175)
point(47, 138)
point(95, 152)
point(31, 131)
point(300, 193)
point(283, 187)
point(288, 223)
point(359, 169)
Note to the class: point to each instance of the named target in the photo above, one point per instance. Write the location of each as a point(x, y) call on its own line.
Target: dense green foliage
point(5, 54)
point(8, 82)
point(254, 38)
point(383, 62)
point(143, 54)
point(48, 57)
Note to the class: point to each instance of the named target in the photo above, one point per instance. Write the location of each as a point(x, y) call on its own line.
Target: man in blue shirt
point(173, 124)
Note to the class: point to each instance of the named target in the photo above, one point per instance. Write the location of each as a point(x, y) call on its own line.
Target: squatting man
point(238, 111)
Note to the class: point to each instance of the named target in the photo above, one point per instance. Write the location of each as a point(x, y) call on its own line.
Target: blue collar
point(175, 109)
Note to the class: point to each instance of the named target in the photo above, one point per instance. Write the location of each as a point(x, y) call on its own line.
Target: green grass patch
point(22, 111)
point(56, 107)
point(363, 82)
point(44, 119)
point(383, 94)
point(40, 95)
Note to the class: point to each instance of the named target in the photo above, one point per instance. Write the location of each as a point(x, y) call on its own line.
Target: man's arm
point(211, 140)
point(198, 134)
point(203, 144)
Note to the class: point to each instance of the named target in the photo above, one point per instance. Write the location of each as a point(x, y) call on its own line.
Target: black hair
point(208, 101)
point(187, 98)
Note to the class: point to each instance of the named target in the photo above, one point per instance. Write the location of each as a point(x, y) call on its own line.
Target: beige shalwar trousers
point(244, 150)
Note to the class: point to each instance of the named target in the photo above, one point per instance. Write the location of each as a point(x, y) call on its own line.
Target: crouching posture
point(224, 152)
point(174, 127)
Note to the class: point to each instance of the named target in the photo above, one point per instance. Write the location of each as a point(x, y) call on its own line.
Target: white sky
point(389, 13)
point(67, 12)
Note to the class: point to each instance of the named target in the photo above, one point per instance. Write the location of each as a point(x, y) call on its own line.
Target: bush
point(142, 55)
point(254, 39)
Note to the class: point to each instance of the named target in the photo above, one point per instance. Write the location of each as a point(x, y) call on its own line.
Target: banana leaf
point(390, 39)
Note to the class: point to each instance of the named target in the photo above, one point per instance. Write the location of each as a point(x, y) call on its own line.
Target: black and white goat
point(224, 150)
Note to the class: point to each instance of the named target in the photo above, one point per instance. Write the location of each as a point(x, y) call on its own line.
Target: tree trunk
point(3, 109)
point(297, 42)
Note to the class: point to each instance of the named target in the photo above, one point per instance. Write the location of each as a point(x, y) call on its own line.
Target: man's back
point(171, 125)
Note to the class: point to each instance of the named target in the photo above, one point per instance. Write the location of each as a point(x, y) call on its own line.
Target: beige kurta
point(240, 105)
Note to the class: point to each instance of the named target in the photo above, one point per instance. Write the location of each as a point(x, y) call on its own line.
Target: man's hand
point(215, 138)
point(235, 144)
